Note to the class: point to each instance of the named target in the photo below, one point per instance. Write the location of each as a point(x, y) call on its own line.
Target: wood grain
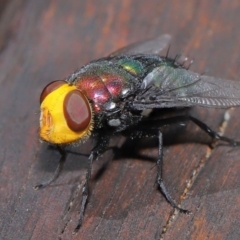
point(46, 40)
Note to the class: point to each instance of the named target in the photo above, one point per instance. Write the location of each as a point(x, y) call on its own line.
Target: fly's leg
point(85, 192)
point(146, 132)
point(184, 118)
point(160, 176)
point(57, 171)
point(157, 133)
point(99, 149)
point(212, 133)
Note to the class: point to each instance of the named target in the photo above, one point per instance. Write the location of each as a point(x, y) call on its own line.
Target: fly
point(109, 96)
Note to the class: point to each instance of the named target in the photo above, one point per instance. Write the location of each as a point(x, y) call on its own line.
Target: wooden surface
point(46, 40)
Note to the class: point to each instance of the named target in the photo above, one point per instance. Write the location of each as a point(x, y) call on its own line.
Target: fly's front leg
point(97, 151)
point(57, 171)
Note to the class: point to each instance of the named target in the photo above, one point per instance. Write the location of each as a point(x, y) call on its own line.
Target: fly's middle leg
point(157, 133)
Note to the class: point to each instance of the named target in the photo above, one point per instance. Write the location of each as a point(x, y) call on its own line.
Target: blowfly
point(109, 95)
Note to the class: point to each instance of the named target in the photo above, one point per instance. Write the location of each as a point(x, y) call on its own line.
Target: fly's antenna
point(37, 113)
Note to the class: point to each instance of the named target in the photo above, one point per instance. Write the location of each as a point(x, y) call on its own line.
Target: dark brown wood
point(46, 40)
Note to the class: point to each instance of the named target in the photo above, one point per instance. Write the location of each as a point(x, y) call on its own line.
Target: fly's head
point(66, 114)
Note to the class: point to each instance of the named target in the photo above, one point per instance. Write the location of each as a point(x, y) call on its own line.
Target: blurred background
point(42, 41)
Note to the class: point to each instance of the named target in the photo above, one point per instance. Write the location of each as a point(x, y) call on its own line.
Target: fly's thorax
point(66, 114)
point(108, 82)
point(105, 84)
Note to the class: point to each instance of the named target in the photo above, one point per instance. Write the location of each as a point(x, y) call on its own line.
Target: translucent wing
point(167, 87)
point(152, 46)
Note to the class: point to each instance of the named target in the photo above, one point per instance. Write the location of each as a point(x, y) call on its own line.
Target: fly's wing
point(153, 46)
point(167, 87)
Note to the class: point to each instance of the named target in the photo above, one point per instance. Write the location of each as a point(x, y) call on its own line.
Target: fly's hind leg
point(183, 118)
point(212, 133)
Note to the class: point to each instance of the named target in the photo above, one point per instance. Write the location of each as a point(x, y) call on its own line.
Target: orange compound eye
point(77, 111)
point(50, 87)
